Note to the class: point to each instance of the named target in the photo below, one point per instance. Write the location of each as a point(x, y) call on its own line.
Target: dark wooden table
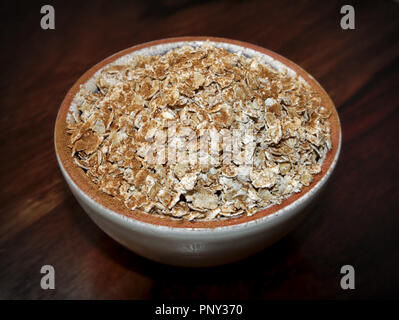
point(356, 221)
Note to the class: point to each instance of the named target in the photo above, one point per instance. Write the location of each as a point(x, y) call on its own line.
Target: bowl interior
point(162, 46)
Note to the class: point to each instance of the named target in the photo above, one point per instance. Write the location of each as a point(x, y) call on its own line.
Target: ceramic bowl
point(184, 243)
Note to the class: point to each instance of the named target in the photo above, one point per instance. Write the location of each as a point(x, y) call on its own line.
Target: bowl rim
point(111, 206)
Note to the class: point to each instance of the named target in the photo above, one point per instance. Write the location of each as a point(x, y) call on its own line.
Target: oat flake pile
point(199, 92)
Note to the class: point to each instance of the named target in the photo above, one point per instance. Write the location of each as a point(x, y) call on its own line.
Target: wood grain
point(355, 222)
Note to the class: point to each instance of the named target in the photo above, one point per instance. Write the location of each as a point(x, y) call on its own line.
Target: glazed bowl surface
point(185, 243)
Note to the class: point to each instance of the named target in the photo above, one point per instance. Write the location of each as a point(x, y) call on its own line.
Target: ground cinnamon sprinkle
point(198, 133)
